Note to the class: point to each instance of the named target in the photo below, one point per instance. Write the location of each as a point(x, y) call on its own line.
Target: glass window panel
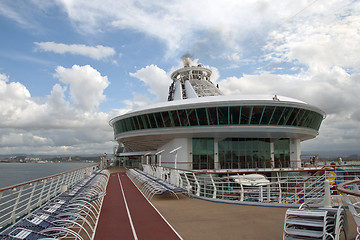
point(256, 114)
point(136, 123)
point(117, 127)
point(129, 124)
point(144, 121)
point(306, 123)
point(175, 118)
point(201, 113)
point(245, 113)
point(277, 115)
point(282, 153)
point(300, 117)
point(304, 118)
point(167, 119)
point(281, 116)
point(183, 118)
point(132, 124)
point(234, 115)
point(268, 112)
point(293, 116)
point(126, 125)
point(223, 115)
point(212, 113)
point(159, 120)
point(285, 116)
point(203, 153)
point(152, 120)
point(192, 117)
point(318, 121)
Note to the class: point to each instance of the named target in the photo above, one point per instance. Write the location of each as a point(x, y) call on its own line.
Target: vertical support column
point(272, 155)
point(216, 154)
point(295, 151)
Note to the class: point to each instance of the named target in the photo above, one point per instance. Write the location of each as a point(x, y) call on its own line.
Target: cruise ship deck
point(186, 218)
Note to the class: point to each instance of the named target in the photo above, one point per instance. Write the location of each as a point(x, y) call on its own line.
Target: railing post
point(13, 214)
point(188, 183)
point(28, 207)
point(56, 189)
point(49, 189)
point(327, 197)
point(41, 193)
point(280, 193)
point(198, 185)
point(213, 183)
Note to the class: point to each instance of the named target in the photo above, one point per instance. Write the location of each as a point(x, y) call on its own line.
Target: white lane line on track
point(177, 234)
point(127, 210)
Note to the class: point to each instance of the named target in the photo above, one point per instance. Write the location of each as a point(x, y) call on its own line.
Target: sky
point(68, 66)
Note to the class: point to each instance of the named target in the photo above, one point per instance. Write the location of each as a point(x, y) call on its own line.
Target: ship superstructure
point(210, 130)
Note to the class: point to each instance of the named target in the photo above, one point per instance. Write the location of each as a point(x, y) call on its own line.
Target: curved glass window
point(202, 116)
point(245, 115)
point(220, 116)
point(212, 114)
point(192, 116)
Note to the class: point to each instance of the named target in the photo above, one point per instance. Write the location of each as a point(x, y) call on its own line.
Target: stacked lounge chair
point(150, 185)
point(71, 215)
point(320, 223)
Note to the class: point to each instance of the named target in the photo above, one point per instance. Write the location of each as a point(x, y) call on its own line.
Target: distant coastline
point(48, 159)
point(16, 173)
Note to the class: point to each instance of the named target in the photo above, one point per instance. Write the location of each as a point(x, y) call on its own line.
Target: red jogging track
point(129, 215)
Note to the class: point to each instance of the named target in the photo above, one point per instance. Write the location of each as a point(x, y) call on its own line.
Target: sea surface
point(15, 173)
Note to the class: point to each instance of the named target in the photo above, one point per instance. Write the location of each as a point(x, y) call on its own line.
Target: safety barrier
point(351, 194)
point(260, 186)
point(19, 200)
point(71, 215)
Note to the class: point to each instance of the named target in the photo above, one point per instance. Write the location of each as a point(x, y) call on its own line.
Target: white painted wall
point(184, 158)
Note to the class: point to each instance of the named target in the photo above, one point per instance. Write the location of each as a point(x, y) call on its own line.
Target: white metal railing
point(286, 186)
point(19, 200)
point(351, 194)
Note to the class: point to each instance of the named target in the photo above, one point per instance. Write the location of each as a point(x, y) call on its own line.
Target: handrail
point(260, 170)
point(289, 189)
point(20, 199)
point(341, 188)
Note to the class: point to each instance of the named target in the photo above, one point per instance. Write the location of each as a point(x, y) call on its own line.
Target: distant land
point(349, 155)
point(24, 158)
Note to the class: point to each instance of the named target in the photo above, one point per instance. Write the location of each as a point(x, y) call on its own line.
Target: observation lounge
point(199, 128)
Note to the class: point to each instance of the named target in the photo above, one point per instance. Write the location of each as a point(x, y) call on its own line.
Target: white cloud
point(98, 52)
point(190, 25)
point(319, 45)
point(156, 79)
point(55, 124)
point(86, 85)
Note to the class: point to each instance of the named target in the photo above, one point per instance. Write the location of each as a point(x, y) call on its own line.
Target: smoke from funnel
point(186, 58)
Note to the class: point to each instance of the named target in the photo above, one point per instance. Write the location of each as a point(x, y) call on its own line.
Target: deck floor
point(191, 218)
point(126, 214)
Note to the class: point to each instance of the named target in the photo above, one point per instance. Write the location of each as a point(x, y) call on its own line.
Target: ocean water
point(15, 173)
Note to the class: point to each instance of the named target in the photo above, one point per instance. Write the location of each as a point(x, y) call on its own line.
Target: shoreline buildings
point(199, 128)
